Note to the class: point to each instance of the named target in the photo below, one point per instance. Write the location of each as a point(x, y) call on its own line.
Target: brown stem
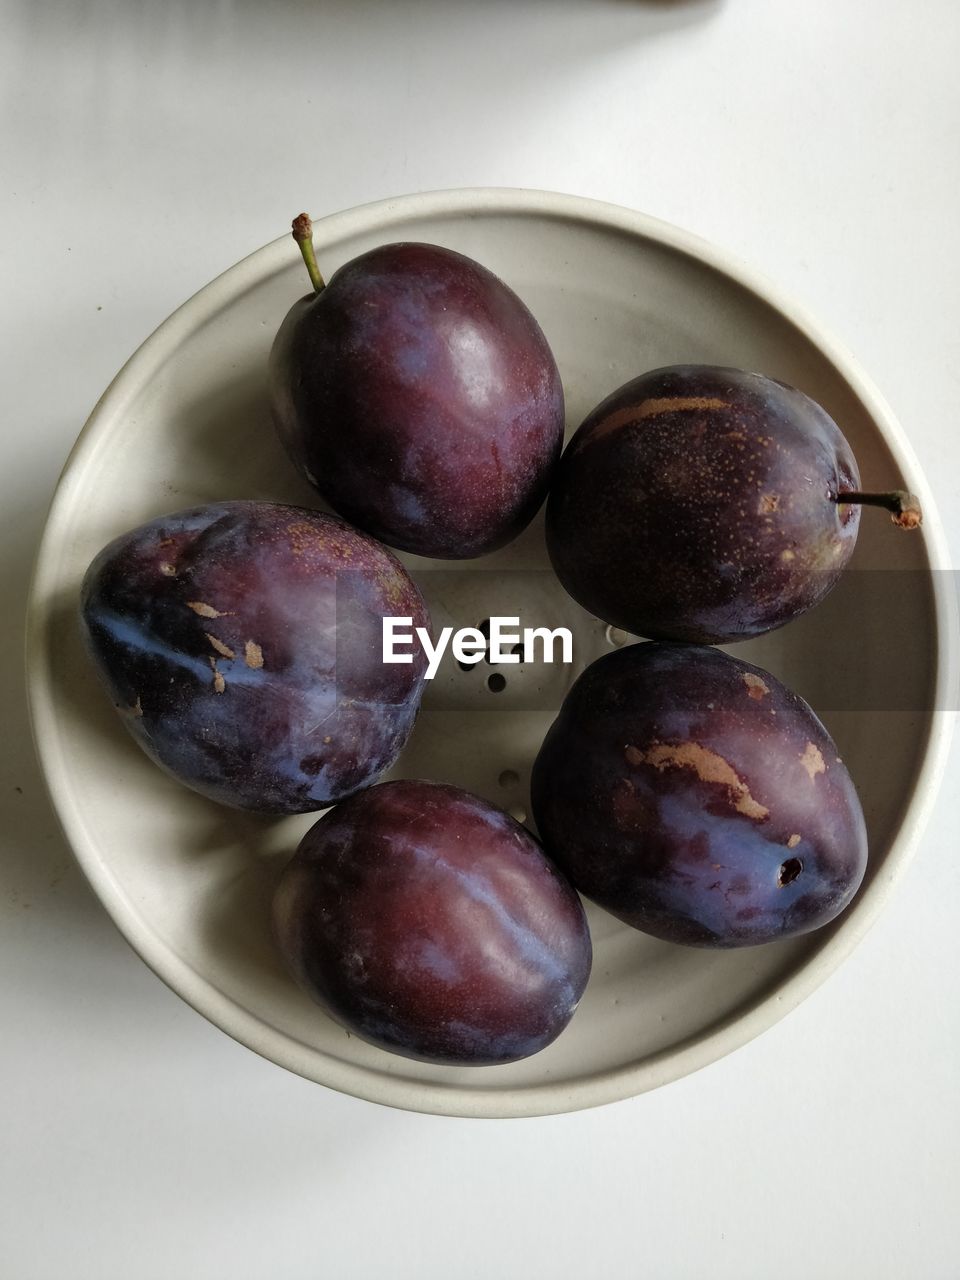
point(303, 234)
point(904, 507)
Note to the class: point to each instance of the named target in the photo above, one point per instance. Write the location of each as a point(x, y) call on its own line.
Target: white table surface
point(145, 147)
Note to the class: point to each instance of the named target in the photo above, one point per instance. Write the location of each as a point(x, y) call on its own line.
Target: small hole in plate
point(484, 629)
point(496, 683)
point(509, 778)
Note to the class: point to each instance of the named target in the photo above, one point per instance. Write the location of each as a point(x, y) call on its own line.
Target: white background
point(147, 145)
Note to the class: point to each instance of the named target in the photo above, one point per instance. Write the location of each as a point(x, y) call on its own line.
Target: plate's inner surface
point(199, 877)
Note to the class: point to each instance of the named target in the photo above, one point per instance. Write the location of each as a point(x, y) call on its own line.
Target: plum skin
point(241, 642)
point(419, 396)
point(696, 503)
point(428, 922)
point(698, 799)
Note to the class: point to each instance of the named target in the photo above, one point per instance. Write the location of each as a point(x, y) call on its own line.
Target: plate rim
point(714, 1041)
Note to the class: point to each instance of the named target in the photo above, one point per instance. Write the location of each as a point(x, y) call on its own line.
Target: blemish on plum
point(300, 535)
point(756, 687)
point(708, 766)
point(789, 871)
point(678, 404)
point(205, 610)
point(224, 650)
point(812, 761)
point(651, 408)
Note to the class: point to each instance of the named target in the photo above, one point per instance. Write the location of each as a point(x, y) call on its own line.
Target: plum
point(427, 921)
point(418, 395)
point(706, 505)
point(696, 798)
point(241, 642)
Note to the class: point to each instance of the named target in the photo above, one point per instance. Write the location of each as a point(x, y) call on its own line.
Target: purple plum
point(241, 642)
point(706, 505)
point(418, 395)
point(696, 798)
point(430, 923)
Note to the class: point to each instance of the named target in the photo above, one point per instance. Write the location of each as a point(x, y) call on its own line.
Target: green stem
point(904, 508)
point(303, 234)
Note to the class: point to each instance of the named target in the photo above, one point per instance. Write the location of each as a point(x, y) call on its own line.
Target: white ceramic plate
point(187, 422)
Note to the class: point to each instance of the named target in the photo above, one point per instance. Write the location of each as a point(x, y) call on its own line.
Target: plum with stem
point(707, 505)
point(419, 396)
